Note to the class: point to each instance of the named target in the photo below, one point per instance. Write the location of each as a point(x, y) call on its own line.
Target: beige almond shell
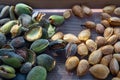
point(117, 47)
point(83, 67)
point(117, 32)
point(108, 32)
point(95, 57)
point(114, 21)
point(105, 16)
point(77, 10)
point(91, 45)
point(115, 78)
point(82, 49)
point(67, 13)
point(106, 59)
point(117, 11)
point(114, 66)
point(99, 71)
point(84, 35)
point(71, 38)
point(100, 28)
point(90, 24)
point(109, 9)
point(117, 56)
point(58, 35)
point(112, 40)
point(100, 41)
point(87, 10)
point(105, 23)
point(71, 63)
point(107, 49)
point(118, 75)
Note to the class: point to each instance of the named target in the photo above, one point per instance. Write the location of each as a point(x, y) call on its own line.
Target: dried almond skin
point(95, 57)
point(105, 23)
point(71, 63)
point(106, 60)
point(67, 14)
point(107, 49)
point(100, 41)
point(108, 32)
point(71, 38)
point(113, 39)
point(117, 47)
point(91, 45)
point(117, 31)
point(114, 66)
point(118, 75)
point(117, 11)
point(105, 16)
point(83, 67)
point(99, 71)
point(109, 9)
point(100, 28)
point(77, 10)
point(58, 35)
point(115, 78)
point(117, 56)
point(82, 49)
point(114, 21)
point(87, 10)
point(90, 24)
point(84, 35)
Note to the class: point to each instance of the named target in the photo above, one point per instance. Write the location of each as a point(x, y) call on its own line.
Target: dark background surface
point(62, 3)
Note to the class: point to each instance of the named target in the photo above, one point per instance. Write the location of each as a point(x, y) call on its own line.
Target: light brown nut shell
point(108, 32)
point(77, 10)
point(114, 21)
point(67, 13)
point(87, 10)
point(107, 49)
point(71, 63)
point(58, 35)
point(112, 40)
point(117, 32)
point(83, 67)
point(100, 28)
point(84, 35)
point(106, 60)
point(117, 47)
point(90, 24)
point(118, 75)
point(71, 38)
point(100, 41)
point(91, 45)
point(117, 56)
point(109, 9)
point(99, 71)
point(117, 11)
point(105, 23)
point(82, 49)
point(105, 16)
point(114, 66)
point(95, 57)
point(115, 78)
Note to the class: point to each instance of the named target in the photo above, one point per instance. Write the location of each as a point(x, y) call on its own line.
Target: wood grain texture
point(62, 4)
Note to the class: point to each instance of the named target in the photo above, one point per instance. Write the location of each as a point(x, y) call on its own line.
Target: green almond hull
point(37, 73)
point(46, 61)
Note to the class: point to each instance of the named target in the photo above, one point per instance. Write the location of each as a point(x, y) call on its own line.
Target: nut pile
point(104, 52)
point(25, 36)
